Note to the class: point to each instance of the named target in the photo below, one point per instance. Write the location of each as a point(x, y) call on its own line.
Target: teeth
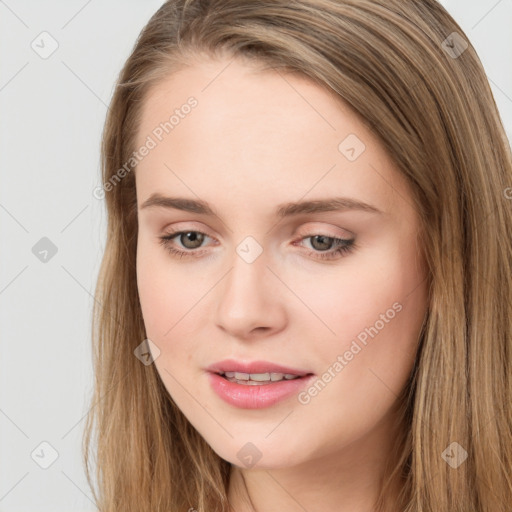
point(259, 377)
point(250, 378)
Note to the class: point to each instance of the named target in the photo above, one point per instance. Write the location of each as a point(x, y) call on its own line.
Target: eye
point(190, 240)
point(325, 247)
point(329, 247)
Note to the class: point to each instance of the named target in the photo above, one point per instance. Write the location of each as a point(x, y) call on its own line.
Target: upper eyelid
point(303, 232)
point(301, 237)
point(175, 233)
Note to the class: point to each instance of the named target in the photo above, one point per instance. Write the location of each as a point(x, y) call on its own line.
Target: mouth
point(259, 379)
point(257, 390)
point(256, 384)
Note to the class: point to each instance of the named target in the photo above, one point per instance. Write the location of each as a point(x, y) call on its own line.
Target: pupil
point(323, 245)
point(194, 237)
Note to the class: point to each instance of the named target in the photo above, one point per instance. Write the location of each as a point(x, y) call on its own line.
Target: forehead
point(257, 132)
point(235, 94)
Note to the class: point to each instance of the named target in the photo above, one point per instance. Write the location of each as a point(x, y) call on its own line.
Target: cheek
point(165, 293)
point(356, 291)
point(372, 309)
point(376, 310)
point(174, 308)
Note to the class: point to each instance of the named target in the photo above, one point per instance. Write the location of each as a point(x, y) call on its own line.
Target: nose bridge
point(248, 278)
point(246, 300)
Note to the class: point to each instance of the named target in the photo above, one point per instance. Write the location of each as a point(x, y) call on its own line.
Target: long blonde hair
point(422, 90)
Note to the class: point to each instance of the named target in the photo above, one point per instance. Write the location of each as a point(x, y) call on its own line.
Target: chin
point(253, 455)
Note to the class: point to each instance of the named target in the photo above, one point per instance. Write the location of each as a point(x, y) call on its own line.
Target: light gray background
point(52, 114)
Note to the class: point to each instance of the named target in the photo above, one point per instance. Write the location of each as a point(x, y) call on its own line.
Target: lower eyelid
point(170, 239)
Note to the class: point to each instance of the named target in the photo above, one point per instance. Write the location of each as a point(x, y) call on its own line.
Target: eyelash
point(344, 246)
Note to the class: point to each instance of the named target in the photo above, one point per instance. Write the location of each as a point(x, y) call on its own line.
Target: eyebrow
point(282, 210)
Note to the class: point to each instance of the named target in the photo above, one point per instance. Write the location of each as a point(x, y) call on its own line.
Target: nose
point(250, 300)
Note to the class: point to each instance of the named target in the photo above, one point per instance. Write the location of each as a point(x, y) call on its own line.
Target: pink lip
point(258, 396)
point(230, 365)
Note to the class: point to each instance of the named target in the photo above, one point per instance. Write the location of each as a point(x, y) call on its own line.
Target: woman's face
point(286, 269)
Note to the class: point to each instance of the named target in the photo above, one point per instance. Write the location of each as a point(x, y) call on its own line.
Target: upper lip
point(230, 365)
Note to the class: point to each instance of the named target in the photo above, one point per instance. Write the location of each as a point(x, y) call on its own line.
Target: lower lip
point(258, 396)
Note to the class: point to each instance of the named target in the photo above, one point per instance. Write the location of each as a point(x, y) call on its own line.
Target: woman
point(305, 297)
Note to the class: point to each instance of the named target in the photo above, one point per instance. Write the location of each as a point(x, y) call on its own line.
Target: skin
point(258, 139)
